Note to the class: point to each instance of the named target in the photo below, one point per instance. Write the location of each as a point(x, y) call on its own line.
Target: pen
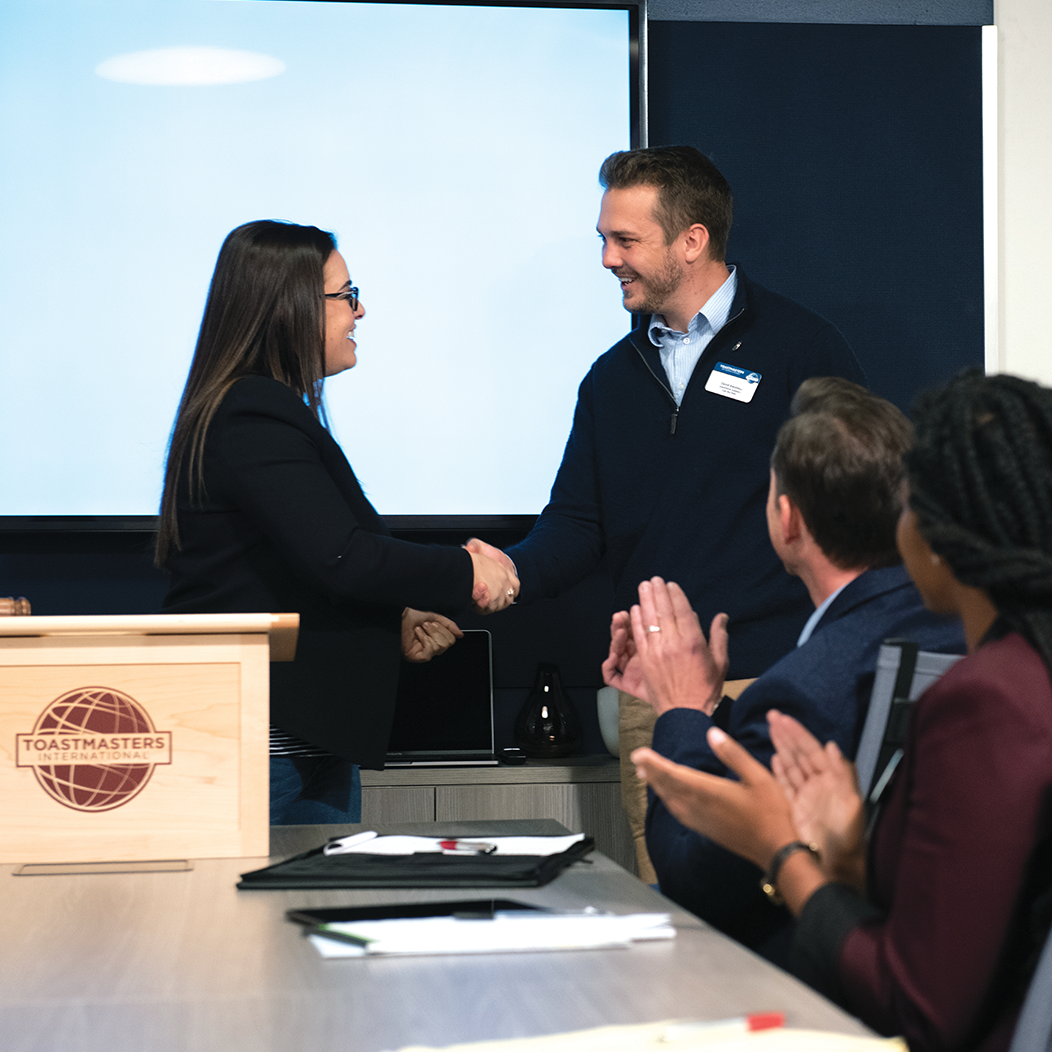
point(720, 1028)
point(327, 932)
point(474, 847)
point(337, 845)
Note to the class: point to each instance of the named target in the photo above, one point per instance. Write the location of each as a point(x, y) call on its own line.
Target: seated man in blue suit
point(833, 506)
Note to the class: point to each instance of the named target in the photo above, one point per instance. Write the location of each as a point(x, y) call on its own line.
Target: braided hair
point(980, 475)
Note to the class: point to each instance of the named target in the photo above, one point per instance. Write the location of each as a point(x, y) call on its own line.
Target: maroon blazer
point(956, 859)
point(284, 527)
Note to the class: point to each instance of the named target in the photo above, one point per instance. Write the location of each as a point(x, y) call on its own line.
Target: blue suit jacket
point(825, 684)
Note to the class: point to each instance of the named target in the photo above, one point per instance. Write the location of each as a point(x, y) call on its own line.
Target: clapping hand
point(750, 816)
point(822, 790)
point(424, 635)
point(622, 669)
point(658, 651)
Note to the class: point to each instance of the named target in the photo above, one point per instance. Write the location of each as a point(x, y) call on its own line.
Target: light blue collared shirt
point(813, 620)
point(680, 351)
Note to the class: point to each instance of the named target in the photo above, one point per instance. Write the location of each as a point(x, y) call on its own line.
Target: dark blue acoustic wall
point(855, 157)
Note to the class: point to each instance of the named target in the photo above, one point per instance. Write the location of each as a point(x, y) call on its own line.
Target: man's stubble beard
point(658, 289)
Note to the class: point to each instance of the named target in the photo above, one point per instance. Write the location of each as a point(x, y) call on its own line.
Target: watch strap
point(769, 881)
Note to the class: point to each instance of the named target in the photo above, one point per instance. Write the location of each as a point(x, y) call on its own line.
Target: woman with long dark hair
point(262, 512)
point(933, 927)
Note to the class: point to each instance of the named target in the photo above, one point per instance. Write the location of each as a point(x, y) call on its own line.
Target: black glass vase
point(548, 725)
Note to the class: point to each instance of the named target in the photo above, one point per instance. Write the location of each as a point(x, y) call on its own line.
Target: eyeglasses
point(350, 295)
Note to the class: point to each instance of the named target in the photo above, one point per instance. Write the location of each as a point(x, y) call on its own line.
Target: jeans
point(314, 790)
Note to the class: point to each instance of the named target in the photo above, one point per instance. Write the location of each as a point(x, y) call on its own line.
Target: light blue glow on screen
point(454, 152)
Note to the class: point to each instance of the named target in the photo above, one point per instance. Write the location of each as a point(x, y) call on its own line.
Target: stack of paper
point(371, 843)
point(505, 933)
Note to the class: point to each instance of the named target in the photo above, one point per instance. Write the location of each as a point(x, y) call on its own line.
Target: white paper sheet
point(511, 932)
point(370, 843)
point(654, 1037)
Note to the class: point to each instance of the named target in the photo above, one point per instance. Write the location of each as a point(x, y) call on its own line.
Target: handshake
point(496, 582)
point(426, 634)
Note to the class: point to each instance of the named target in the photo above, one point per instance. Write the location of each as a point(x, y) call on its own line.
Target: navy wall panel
point(855, 157)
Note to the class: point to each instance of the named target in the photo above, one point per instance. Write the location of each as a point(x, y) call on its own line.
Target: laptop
point(444, 711)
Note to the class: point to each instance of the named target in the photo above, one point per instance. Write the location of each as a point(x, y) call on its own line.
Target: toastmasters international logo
point(94, 749)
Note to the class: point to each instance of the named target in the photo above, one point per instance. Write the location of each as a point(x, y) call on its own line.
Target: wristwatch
point(769, 881)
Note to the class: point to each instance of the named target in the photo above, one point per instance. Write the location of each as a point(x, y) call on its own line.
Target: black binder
point(314, 869)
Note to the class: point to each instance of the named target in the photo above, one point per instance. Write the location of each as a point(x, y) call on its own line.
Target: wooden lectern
point(129, 738)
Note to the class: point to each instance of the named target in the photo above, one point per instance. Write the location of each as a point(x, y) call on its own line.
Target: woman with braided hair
point(933, 927)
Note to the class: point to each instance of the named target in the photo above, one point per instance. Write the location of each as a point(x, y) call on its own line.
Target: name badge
point(732, 382)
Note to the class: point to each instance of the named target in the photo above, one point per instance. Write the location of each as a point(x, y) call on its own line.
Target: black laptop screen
point(445, 706)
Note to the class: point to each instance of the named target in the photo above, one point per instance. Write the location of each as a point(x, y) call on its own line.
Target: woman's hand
point(425, 634)
point(680, 668)
point(496, 585)
point(750, 817)
point(822, 790)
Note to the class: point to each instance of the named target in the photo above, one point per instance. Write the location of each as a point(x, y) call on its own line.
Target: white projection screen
point(454, 152)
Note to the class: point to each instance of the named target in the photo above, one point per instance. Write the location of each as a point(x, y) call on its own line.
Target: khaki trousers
point(635, 728)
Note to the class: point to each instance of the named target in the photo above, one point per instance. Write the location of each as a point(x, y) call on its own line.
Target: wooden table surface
point(184, 962)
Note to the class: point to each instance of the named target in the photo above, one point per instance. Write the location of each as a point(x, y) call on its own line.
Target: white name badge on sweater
point(732, 382)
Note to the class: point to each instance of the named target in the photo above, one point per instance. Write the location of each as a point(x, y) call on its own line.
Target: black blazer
point(284, 526)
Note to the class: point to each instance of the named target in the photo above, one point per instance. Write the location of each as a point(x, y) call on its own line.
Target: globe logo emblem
point(94, 749)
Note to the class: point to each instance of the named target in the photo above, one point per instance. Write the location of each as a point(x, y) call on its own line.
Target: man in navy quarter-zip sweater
point(665, 471)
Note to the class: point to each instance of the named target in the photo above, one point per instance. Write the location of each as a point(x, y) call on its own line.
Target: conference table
point(182, 961)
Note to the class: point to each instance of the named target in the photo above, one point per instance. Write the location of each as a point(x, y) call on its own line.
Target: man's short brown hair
point(839, 459)
point(690, 190)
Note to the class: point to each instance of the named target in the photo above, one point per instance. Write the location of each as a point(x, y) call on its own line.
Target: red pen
point(724, 1027)
point(471, 847)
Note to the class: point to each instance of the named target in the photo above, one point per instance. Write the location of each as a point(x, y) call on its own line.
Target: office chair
point(1033, 1032)
point(904, 672)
